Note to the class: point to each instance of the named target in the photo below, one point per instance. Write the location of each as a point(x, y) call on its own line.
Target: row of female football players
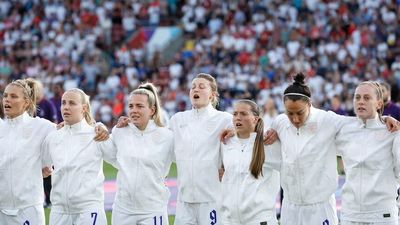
point(302, 161)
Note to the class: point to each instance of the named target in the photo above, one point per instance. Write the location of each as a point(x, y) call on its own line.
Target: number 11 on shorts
point(155, 220)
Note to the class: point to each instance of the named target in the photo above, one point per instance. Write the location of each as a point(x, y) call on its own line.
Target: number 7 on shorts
point(94, 216)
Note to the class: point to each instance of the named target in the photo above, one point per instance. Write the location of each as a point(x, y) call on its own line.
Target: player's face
point(297, 111)
point(140, 111)
point(244, 120)
point(72, 109)
point(200, 93)
point(14, 102)
point(366, 102)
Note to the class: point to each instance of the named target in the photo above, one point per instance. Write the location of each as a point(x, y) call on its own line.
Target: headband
point(296, 94)
point(27, 89)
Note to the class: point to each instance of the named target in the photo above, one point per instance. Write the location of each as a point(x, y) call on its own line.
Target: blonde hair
point(258, 156)
point(213, 85)
point(30, 89)
point(379, 96)
point(1, 108)
point(149, 90)
point(85, 100)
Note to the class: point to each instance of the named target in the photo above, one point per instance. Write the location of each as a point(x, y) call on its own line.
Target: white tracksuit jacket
point(77, 178)
point(143, 159)
point(308, 171)
point(245, 199)
point(21, 181)
point(372, 161)
point(197, 152)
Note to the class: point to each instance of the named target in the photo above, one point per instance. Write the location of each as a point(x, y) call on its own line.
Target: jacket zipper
point(362, 175)
point(12, 157)
point(298, 175)
point(238, 182)
point(66, 172)
point(136, 168)
point(197, 118)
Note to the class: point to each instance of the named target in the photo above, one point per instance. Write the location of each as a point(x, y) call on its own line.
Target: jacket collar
point(203, 111)
point(19, 119)
point(370, 123)
point(151, 126)
point(245, 141)
point(77, 127)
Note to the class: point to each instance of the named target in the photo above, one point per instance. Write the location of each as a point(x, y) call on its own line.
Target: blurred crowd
point(252, 47)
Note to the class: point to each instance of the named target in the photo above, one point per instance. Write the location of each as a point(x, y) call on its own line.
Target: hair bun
point(299, 79)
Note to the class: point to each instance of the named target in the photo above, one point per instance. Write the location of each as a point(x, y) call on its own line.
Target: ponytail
point(258, 157)
point(149, 90)
point(1, 109)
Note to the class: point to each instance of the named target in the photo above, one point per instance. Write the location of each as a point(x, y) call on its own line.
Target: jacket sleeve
point(172, 123)
point(171, 156)
point(396, 155)
point(45, 152)
point(172, 150)
point(273, 157)
point(340, 142)
point(47, 128)
point(337, 122)
point(279, 122)
point(109, 151)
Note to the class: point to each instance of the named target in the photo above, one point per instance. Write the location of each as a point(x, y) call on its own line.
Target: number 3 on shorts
point(94, 216)
point(213, 217)
point(326, 222)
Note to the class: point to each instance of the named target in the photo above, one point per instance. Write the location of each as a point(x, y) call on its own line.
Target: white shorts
point(258, 223)
point(314, 214)
point(94, 217)
point(155, 218)
point(374, 223)
point(384, 217)
point(33, 215)
point(206, 213)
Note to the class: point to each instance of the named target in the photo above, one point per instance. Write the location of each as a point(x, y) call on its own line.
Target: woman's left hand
point(101, 132)
point(46, 171)
point(270, 137)
point(392, 124)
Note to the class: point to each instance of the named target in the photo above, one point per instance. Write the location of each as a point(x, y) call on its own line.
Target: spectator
point(46, 108)
point(336, 106)
point(390, 108)
point(56, 100)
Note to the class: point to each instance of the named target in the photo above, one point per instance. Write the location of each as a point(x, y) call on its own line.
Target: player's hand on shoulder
point(226, 134)
point(101, 132)
point(123, 122)
point(270, 136)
